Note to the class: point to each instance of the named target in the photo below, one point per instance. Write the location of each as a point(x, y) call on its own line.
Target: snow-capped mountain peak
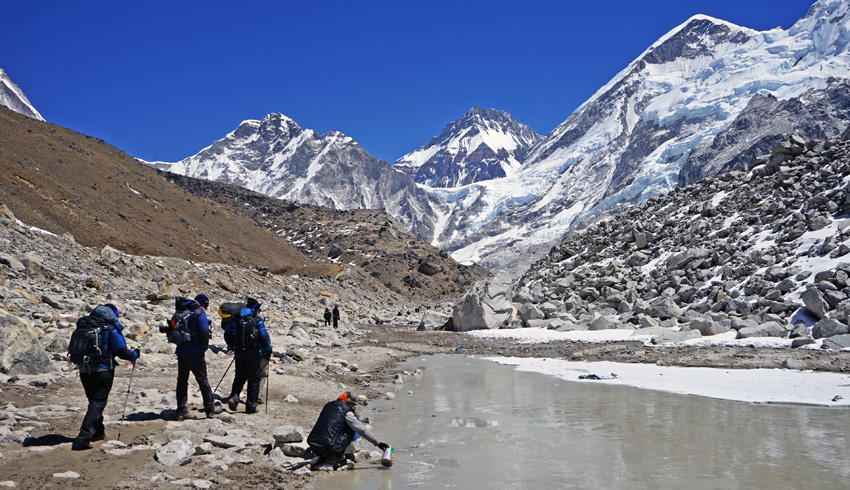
point(482, 144)
point(13, 97)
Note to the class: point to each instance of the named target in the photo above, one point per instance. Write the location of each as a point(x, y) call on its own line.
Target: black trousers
point(97, 386)
point(197, 365)
point(247, 369)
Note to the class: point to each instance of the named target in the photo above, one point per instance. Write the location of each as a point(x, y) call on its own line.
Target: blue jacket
point(199, 327)
point(113, 340)
point(263, 340)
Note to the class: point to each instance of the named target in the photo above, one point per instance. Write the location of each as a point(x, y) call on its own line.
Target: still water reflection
point(472, 423)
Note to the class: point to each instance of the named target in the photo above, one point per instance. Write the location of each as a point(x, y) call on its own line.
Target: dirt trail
point(376, 354)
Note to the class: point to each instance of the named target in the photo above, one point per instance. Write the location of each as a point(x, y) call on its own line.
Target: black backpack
point(244, 331)
point(178, 331)
point(86, 344)
point(227, 310)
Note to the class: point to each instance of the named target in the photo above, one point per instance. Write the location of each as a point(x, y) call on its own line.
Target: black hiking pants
point(197, 365)
point(97, 386)
point(247, 369)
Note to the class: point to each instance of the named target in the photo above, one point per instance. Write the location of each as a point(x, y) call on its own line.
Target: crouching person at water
point(334, 430)
point(93, 347)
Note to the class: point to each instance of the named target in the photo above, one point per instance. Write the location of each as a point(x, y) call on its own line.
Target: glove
point(138, 353)
point(267, 354)
point(383, 446)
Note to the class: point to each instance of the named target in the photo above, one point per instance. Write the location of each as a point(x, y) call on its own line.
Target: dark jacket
point(331, 431)
point(263, 342)
point(199, 327)
point(112, 338)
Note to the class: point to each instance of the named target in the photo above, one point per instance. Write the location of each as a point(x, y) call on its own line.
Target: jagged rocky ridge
point(483, 144)
point(765, 253)
point(278, 158)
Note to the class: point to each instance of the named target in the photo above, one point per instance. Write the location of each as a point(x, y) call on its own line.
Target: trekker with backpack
point(190, 352)
point(336, 316)
point(93, 347)
point(247, 337)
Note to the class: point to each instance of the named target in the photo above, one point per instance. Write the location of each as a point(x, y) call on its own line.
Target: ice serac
point(13, 97)
point(276, 157)
point(662, 113)
point(483, 144)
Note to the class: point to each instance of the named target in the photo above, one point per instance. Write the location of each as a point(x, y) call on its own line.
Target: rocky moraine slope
point(762, 253)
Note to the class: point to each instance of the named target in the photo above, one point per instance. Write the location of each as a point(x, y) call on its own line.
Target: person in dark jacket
point(336, 316)
point(334, 430)
point(327, 317)
point(248, 352)
point(190, 357)
point(97, 376)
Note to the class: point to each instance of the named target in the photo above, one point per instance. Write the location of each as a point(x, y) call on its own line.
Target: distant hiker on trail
point(335, 429)
point(190, 354)
point(246, 335)
point(336, 316)
point(93, 347)
point(327, 317)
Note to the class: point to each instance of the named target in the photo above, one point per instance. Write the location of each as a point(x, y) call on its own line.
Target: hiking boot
point(81, 444)
point(250, 409)
point(233, 403)
point(99, 437)
point(184, 415)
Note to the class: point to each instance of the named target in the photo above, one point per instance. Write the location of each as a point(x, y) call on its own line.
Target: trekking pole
point(223, 375)
point(121, 427)
point(268, 380)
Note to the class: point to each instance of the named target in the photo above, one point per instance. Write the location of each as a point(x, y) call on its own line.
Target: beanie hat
point(113, 308)
point(202, 300)
point(348, 397)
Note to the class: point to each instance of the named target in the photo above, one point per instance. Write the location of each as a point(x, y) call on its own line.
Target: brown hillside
point(69, 183)
point(368, 238)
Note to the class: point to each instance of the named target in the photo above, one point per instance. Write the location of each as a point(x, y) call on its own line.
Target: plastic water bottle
point(388, 457)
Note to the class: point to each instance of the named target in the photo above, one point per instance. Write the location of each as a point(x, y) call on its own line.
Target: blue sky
point(162, 80)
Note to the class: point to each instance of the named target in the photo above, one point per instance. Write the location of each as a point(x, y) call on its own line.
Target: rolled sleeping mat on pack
point(226, 310)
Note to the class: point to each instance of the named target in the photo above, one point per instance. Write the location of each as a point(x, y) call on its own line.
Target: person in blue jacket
point(98, 374)
point(190, 357)
point(247, 336)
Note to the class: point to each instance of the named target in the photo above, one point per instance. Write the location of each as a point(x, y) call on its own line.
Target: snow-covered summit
point(13, 97)
point(630, 140)
point(278, 158)
point(483, 144)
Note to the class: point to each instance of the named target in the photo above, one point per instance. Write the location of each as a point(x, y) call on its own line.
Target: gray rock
point(768, 329)
point(673, 336)
point(681, 260)
point(663, 309)
point(7, 218)
point(33, 265)
point(20, 350)
point(432, 320)
point(528, 312)
point(796, 343)
point(815, 302)
point(11, 262)
point(837, 342)
point(176, 453)
point(288, 433)
point(707, 327)
point(794, 364)
point(485, 305)
point(828, 328)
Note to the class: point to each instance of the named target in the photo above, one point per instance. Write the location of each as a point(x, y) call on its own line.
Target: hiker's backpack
point(227, 310)
point(86, 344)
point(178, 331)
point(244, 331)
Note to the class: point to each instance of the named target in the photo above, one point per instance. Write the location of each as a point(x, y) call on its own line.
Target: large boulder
point(485, 305)
point(815, 302)
point(432, 320)
point(829, 328)
point(7, 218)
point(20, 350)
point(663, 309)
point(681, 260)
point(767, 329)
point(176, 453)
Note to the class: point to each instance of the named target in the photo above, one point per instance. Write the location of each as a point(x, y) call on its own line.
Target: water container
point(388, 457)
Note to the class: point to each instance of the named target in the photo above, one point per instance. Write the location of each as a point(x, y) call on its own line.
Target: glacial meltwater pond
point(472, 423)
